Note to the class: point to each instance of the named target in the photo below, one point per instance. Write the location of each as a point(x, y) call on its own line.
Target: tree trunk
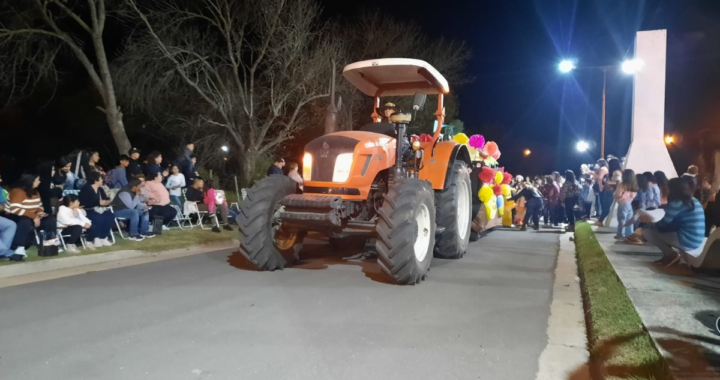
point(246, 163)
point(117, 128)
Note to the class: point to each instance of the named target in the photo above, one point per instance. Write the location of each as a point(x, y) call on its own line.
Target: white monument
point(648, 152)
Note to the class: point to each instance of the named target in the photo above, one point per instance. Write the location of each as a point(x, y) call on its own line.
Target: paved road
point(206, 317)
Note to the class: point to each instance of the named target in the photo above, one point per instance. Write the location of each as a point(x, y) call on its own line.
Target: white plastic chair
point(181, 219)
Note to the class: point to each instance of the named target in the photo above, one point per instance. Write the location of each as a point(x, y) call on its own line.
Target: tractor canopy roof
point(395, 77)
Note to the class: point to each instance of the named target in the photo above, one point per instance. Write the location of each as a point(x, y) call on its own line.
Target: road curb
point(566, 355)
point(35, 267)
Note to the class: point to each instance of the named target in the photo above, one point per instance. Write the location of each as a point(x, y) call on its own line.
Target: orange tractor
point(414, 200)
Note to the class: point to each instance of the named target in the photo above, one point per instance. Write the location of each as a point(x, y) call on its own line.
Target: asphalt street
point(208, 316)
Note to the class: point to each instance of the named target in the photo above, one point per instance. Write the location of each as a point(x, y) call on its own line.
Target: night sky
point(518, 98)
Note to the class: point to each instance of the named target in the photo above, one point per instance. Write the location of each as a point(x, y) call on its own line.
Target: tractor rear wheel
point(406, 231)
point(454, 209)
point(263, 241)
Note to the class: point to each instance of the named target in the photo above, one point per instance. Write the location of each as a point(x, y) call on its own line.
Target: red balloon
point(486, 175)
point(425, 138)
point(491, 148)
point(497, 190)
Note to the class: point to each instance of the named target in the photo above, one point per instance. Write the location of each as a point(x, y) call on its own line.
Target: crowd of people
point(689, 207)
point(74, 195)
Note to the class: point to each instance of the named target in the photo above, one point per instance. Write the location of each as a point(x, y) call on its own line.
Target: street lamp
point(566, 66)
point(224, 148)
point(527, 152)
point(669, 139)
point(632, 66)
point(582, 146)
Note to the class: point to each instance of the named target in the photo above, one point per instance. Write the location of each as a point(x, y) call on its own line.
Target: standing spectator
point(158, 199)
point(682, 226)
point(154, 165)
point(569, 196)
point(551, 193)
point(96, 204)
point(598, 175)
point(609, 185)
point(653, 201)
point(294, 175)
point(53, 175)
point(7, 234)
point(175, 183)
point(127, 205)
point(587, 197)
point(558, 179)
point(187, 151)
point(692, 173)
point(276, 167)
point(704, 192)
point(72, 219)
point(117, 178)
point(187, 168)
point(625, 191)
point(133, 169)
point(24, 207)
point(533, 205)
point(662, 181)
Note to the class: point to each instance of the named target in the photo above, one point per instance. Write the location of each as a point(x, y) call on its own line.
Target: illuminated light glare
point(343, 162)
point(632, 66)
point(566, 66)
point(224, 148)
point(669, 140)
point(307, 167)
point(582, 146)
point(527, 152)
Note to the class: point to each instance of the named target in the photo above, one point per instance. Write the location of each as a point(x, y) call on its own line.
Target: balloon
point(425, 137)
point(505, 190)
point(507, 178)
point(485, 193)
point(477, 141)
point(461, 138)
point(500, 206)
point(486, 175)
point(474, 154)
point(498, 177)
point(497, 155)
point(490, 148)
point(497, 190)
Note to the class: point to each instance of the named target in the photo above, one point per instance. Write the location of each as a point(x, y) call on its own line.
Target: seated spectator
point(294, 175)
point(154, 165)
point(187, 168)
point(682, 227)
point(175, 183)
point(7, 234)
point(117, 178)
point(24, 207)
point(644, 195)
point(662, 181)
point(97, 208)
point(53, 175)
point(127, 205)
point(213, 201)
point(653, 201)
point(201, 195)
point(71, 219)
point(195, 192)
point(158, 199)
point(133, 169)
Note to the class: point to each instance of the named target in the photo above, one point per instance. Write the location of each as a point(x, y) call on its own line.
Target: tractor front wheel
point(263, 240)
point(454, 209)
point(406, 231)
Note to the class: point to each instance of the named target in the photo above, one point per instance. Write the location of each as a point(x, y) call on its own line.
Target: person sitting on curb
point(682, 227)
point(127, 205)
point(71, 219)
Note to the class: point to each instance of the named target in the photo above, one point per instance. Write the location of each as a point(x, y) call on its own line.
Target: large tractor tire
point(262, 240)
point(454, 209)
point(406, 231)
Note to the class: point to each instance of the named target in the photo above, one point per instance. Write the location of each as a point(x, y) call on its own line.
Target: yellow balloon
point(506, 190)
point(485, 194)
point(491, 207)
point(498, 177)
point(461, 138)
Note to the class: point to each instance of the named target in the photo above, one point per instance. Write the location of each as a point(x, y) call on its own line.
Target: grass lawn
point(620, 348)
point(173, 239)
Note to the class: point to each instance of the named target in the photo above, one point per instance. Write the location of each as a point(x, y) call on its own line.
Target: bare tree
point(254, 68)
point(34, 33)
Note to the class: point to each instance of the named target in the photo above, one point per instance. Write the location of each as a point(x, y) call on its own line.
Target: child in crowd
point(633, 222)
point(625, 193)
point(587, 197)
point(71, 219)
point(175, 183)
point(644, 194)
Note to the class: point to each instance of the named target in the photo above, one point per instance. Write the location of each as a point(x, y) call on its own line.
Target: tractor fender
point(438, 166)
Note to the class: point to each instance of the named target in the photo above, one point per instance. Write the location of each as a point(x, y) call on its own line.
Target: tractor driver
point(388, 110)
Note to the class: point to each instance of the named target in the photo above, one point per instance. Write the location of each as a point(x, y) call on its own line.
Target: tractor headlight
point(343, 162)
point(307, 167)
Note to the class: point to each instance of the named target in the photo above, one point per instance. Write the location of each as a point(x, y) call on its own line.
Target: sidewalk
point(678, 307)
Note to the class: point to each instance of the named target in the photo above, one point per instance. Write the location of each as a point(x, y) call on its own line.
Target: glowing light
point(632, 66)
point(566, 66)
point(669, 140)
point(582, 146)
point(527, 152)
point(224, 148)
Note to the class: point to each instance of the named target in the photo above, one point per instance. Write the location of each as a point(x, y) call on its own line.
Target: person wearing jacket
point(24, 207)
point(154, 165)
point(127, 205)
point(533, 205)
point(72, 220)
point(133, 169)
point(213, 203)
point(117, 178)
point(187, 168)
point(158, 199)
point(569, 195)
point(53, 175)
point(96, 205)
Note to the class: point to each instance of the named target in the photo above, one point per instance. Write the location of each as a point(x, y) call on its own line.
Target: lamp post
point(630, 67)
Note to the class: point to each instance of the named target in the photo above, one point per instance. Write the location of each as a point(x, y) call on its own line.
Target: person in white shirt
point(175, 183)
point(71, 219)
point(294, 175)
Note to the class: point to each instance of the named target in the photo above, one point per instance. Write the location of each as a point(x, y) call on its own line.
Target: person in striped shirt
point(682, 227)
point(24, 207)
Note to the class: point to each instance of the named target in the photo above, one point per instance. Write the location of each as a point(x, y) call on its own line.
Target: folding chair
point(60, 235)
point(193, 207)
point(119, 229)
point(181, 219)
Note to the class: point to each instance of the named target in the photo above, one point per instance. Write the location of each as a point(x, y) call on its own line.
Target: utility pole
point(331, 114)
point(602, 139)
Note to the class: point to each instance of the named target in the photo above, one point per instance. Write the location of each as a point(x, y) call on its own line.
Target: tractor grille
point(324, 151)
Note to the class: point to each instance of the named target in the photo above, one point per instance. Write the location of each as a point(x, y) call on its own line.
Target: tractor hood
point(325, 151)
